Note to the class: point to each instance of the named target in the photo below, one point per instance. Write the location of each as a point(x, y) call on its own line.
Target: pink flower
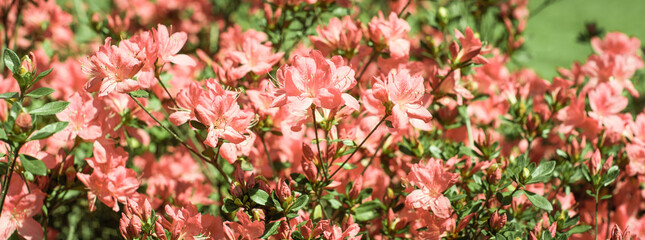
point(390, 33)
point(169, 45)
point(245, 229)
point(112, 69)
point(604, 102)
point(339, 35)
point(613, 69)
point(110, 182)
point(81, 115)
point(616, 43)
point(21, 204)
point(636, 155)
point(400, 94)
point(187, 223)
point(431, 180)
point(315, 80)
point(223, 116)
point(110, 188)
point(254, 57)
point(187, 100)
point(470, 48)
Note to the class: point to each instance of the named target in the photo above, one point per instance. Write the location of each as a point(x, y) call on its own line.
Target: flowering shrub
point(311, 119)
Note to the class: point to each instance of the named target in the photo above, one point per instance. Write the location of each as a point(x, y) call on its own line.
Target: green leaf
point(198, 125)
point(140, 94)
point(42, 75)
point(259, 196)
point(542, 172)
point(349, 142)
point(539, 201)
point(33, 165)
point(50, 108)
point(48, 130)
point(40, 92)
point(8, 95)
point(299, 203)
point(367, 211)
point(610, 176)
point(578, 229)
point(229, 206)
point(271, 229)
point(11, 60)
point(347, 166)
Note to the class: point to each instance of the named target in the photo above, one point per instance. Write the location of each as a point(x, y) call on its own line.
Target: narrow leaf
point(40, 92)
point(539, 201)
point(42, 75)
point(48, 130)
point(11, 60)
point(300, 203)
point(271, 229)
point(50, 108)
point(33, 165)
point(259, 196)
point(140, 94)
point(8, 95)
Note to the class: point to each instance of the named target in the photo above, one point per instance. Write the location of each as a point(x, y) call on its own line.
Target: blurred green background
point(552, 34)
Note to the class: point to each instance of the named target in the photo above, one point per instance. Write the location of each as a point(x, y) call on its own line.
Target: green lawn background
point(551, 35)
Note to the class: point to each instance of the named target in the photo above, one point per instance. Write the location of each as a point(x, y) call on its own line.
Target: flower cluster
point(311, 119)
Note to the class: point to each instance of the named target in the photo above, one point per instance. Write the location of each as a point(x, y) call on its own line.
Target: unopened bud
point(524, 176)
point(147, 210)
point(497, 221)
point(258, 214)
point(135, 227)
point(494, 176)
point(442, 16)
point(356, 188)
point(159, 231)
point(310, 171)
point(283, 191)
point(23, 121)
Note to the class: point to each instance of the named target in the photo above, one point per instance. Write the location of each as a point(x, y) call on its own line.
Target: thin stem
point(372, 57)
point(165, 88)
point(469, 129)
point(266, 151)
point(313, 113)
point(404, 7)
point(595, 218)
point(442, 80)
point(214, 162)
point(7, 179)
point(359, 147)
point(375, 152)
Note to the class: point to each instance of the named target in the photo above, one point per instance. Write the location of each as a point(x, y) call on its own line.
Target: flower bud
point(147, 210)
point(524, 176)
point(310, 171)
point(442, 16)
point(124, 222)
point(283, 191)
point(494, 175)
point(134, 229)
point(159, 231)
point(258, 214)
point(23, 121)
point(236, 189)
point(594, 163)
point(497, 221)
point(356, 188)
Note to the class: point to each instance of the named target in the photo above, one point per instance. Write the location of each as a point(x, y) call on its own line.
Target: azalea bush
point(305, 119)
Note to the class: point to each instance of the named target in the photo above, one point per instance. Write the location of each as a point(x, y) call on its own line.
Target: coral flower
point(315, 80)
point(112, 69)
point(431, 180)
